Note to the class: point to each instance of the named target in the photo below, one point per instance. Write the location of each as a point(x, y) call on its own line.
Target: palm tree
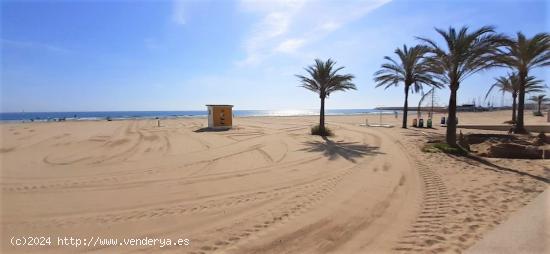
point(510, 84)
point(410, 69)
point(465, 54)
point(539, 99)
point(522, 55)
point(323, 79)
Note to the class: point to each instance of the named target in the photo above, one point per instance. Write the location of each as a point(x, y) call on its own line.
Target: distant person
point(395, 114)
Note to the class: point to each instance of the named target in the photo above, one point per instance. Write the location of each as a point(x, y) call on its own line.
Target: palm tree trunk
point(451, 121)
point(514, 107)
point(405, 107)
point(322, 116)
point(539, 102)
point(520, 128)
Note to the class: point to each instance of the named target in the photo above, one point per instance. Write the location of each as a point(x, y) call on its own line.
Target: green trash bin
point(429, 123)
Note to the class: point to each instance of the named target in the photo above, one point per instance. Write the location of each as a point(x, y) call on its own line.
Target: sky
point(180, 55)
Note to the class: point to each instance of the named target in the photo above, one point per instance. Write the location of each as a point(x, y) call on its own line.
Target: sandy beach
point(265, 186)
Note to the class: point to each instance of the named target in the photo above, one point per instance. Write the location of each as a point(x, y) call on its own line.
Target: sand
point(266, 186)
point(523, 232)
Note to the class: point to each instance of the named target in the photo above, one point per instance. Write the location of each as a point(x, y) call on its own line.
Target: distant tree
point(410, 69)
point(510, 84)
point(539, 99)
point(465, 54)
point(522, 55)
point(323, 79)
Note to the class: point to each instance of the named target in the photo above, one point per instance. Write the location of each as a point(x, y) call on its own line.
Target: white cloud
point(290, 45)
point(267, 6)
point(276, 17)
point(286, 26)
point(330, 26)
point(178, 12)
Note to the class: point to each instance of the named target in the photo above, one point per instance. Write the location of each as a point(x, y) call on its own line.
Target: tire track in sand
point(286, 211)
point(426, 230)
point(182, 208)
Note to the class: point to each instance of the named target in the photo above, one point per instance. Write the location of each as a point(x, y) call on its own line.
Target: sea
point(121, 115)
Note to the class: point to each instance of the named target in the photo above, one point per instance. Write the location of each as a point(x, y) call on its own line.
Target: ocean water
point(118, 115)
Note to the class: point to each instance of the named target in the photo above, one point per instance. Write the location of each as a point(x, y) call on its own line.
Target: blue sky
point(180, 55)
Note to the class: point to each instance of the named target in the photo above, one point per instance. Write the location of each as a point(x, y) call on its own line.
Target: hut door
point(222, 117)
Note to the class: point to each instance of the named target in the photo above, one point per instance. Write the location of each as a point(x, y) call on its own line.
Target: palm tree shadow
point(347, 150)
point(475, 160)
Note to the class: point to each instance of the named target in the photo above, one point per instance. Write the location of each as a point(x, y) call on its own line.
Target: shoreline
point(179, 117)
point(384, 112)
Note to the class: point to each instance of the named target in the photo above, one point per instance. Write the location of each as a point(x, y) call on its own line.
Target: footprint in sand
point(6, 150)
point(386, 166)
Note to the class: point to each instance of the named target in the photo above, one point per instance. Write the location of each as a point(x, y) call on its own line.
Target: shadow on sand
point(206, 129)
point(347, 150)
point(475, 160)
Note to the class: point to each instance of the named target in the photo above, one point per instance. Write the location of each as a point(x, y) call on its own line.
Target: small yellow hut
point(220, 116)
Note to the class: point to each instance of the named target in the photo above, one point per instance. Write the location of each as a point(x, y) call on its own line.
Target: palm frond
point(465, 53)
point(323, 78)
point(410, 69)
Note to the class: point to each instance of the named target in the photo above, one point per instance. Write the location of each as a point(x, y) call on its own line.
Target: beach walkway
point(526, 231)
